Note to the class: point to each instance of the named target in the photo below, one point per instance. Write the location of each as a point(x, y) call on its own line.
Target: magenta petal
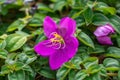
point(63, 55)
point(105, 40)
point(43, 49)
point(104, 30)
point(71, 46)
point(110, 28)
point(69, 25)
point(49, 26)
point(57, 59)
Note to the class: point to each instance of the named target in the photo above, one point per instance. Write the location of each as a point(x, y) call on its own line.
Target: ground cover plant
point(59, 40)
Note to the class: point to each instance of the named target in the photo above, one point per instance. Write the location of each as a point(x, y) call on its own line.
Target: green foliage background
point(21, 28)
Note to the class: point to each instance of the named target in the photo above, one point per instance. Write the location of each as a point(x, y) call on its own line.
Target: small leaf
point(113, 52)
point(94, 77)
point(78, 13)
point(14, 66)
point(76, 61)
point(62, 73)
point(114, 21)
point(41, 37)
point(29, 73)
point(106, 10)
point(15, 25)
point(46, 72)
point(88, 15)
point(59, 5)
point(111, 64)
point(88, 62)
point(41, 6)
point(3, 54)
point(84, 38)
point(94, 69)
point(119, 74)
point(37, 20)
point(29, 76)
point(15, 41)
point(81, 75)
point(97, 50)
point(118, 40)
point(100, 19)
point(5, 70)
point(17, 75)
point(2, 44)
point(71, 74)
point(26, 59)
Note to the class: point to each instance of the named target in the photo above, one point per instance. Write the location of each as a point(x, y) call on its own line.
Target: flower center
point(57, 38)
point(56, 41)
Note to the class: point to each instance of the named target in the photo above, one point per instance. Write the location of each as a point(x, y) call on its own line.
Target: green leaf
point(29, 76)
point(15, 66)
point(111, 64)
point(114, 21)
point(118, 40)
point(99, 19)
point(76, 61)
point(81, 75)
point(97, 50)
point(80, 21)
point(78, 13)
point(113, 52)
point(106, 10)
point(94, 69)
point(59, 5)
point(103, 71)
point(5, 70)
point(47, 72)
point(43, 7)
point(26, 59)
point(88, 15)
point(88, 62)
point(71, 74)
point(2, 44)
point(62, 73)
point(79, 4)
point(84, 38)
point(103, 7)
point(37, 20)
point(17, 75)
point(41, 37)
point(15, 41)
point(101, 4)
point(27, 68)
point(94, 77)
point(29, 73)
point(119, 74)
point(3, 54)
point(15, 25)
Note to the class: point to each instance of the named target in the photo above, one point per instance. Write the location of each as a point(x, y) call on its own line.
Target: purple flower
point(61, 44)
point(102, 33)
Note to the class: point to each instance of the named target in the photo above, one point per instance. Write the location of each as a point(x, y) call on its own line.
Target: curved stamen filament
point(57, 41)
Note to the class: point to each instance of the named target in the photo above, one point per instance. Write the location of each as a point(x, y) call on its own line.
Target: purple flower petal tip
point(105, 40)
point(61, 44)
point(102, 33)
point(104, 30)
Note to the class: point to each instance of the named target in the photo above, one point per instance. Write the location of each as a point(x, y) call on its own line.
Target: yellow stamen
point(57, 38)
point(57, 41)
